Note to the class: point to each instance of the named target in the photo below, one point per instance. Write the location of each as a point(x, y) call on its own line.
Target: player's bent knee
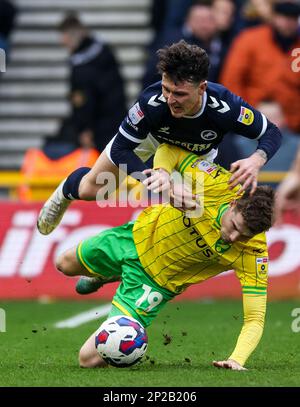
point(60, 264)
point(64, 265)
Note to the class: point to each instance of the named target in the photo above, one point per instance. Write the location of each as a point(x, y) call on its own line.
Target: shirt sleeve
point(252, 271)
point(166, 157)
point(132, 131)
point(254, 306)
point(250, 123)
point(270, 141)
point(120, 152)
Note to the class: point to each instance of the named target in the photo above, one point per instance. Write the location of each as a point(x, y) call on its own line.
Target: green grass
point(200, 332)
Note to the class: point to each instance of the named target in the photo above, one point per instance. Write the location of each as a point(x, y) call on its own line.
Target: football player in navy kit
point(182, 109)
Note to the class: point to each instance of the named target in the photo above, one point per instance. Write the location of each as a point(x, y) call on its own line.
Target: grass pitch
point(183, 341)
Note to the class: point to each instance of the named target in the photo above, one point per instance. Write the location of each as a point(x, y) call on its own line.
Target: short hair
point(70, 22)
point(183, 62)
point(257, 210)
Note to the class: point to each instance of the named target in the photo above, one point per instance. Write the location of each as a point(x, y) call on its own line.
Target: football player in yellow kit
point(164, 251)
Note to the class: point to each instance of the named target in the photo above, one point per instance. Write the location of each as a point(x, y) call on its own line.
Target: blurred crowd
point(252, 48)
point(97, 97)
point(252, 45)
point(8, 12)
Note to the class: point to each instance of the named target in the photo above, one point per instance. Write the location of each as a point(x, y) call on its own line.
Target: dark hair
point(287, 8)
point(70, 22)
point(183, 62)
point(257, 210)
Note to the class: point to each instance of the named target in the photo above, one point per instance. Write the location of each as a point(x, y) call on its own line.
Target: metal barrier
point(11, 181)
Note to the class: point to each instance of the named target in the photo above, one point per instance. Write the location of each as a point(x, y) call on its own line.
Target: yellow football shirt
point(177, 251)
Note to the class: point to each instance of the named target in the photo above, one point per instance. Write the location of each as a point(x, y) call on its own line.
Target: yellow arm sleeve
point(254, 316)
point(166, 157)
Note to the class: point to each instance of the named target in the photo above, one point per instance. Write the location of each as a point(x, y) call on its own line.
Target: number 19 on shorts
point(149, 299)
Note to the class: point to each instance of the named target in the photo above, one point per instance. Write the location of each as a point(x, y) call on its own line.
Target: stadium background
point(33, 99)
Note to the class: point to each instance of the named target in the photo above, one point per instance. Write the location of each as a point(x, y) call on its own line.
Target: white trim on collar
point(204, 100)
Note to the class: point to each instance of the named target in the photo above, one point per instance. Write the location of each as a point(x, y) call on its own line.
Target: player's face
point(233, 227)
point(184, 98)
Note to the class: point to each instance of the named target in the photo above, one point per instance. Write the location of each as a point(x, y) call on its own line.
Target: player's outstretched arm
point(252, 330)
point(180, 195)
point(158, 180)
point(166, 160)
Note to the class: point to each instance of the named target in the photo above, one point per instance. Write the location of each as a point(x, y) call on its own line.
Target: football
point(121, 341)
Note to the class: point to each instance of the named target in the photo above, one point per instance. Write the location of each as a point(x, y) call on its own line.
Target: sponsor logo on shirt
point(165, 130)
point(258, 250)
point(262, 266)
point(188, 146)
point(207, 166)
point(218, 173)
point(246, 116)
point(135, 114)
point(131, 125)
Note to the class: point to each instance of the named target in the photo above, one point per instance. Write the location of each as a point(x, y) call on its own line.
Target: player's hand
point(183, 199)
point(159, 180)
point(245, 172)
point(288, 195)
point(228, 364)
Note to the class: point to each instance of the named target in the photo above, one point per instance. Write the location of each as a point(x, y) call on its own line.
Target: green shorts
point(113, 253)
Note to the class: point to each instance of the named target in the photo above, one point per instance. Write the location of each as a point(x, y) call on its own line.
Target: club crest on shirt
point(208, 135)
point(246, 116)
point(221, 246)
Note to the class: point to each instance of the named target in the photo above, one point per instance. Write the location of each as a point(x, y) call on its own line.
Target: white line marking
point(84, 317)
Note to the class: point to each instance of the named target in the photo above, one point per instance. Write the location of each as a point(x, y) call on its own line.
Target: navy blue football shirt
point(221, 112)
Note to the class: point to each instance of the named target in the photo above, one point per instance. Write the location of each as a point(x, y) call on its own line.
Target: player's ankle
point(70, 188)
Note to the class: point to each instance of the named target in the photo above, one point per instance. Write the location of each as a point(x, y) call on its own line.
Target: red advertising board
point(27, 258)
